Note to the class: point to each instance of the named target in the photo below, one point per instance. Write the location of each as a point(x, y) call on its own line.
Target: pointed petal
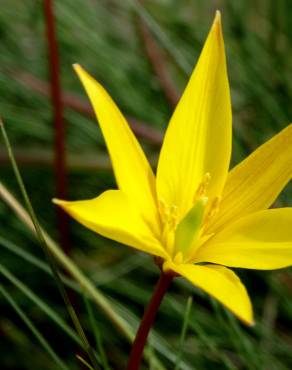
point(255, 183)
point(198, 138)
point(114, 215)
point(133, 173)
point(262, 240)
point(221, 283)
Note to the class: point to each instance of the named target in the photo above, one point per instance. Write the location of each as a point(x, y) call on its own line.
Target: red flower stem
point(147, 321)
point(58, 111)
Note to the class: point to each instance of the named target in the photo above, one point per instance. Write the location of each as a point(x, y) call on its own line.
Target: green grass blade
point(97, 334)
point(20, 252)
point(102, 302)
point(208, 342)
point(40, 303)
point(77, 274)
point(33, 329)
point(84, 362)
point(162, 37)
point(183, 332)
point(44, 267)
point(107, 306)
point(236, 336)
point(236, 332)
point(37, 262)
point(47, 251)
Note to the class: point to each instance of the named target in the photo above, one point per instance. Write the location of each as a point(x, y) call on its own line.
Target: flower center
point(169, 218)
point(182, 238)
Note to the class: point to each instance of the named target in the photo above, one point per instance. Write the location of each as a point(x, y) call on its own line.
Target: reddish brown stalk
point(147, 321)
point(157, 60)
point(57, 104)
point(45, 158)
point(141, 129)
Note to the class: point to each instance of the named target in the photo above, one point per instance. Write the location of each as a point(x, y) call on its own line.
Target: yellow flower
point(195, 216)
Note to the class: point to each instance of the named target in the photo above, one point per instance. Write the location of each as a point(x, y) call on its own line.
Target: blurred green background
point(111, 39)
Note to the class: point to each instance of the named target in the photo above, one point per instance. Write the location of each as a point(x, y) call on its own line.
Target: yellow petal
point(132, 171)
point(114, 215)
point(262, 240)
point(221, 283)
point(198, 138)
point(255, 183)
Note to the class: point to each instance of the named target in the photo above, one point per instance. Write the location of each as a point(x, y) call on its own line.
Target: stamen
point(181, 238)
point(202, 188)
point(168, 238)
point(169, 216)
point(214, 208)
point(168, 213)
point(162, 209)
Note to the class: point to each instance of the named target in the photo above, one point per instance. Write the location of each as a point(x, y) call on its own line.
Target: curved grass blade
point(97, 333)
point(245, 346)
point(150, 356)
point(183, 332)
point(178, 58)
point(101, 301)
point(35, 261)
point(23, 253)
point(47, 251)
point(235, 335)
point(33, 329)
point(84, 362)
point(40, 303)
point(212, 346)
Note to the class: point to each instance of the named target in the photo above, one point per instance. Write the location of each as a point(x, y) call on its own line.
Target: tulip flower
point(195, 216)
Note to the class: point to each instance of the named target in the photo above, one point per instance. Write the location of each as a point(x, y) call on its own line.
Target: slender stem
point(101, 301)
point(147, 321)
point(157, 61)
point(58, 110)
point(43, 243)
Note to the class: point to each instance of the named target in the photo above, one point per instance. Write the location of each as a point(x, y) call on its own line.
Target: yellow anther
point(168, 238)
point(207, 177)
point(162, 209)
point(214, 208)
point(168, 213)
point(178, 259)
point(203, 185)
point(173, 210)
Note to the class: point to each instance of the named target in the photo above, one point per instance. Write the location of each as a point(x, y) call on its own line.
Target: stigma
point(181, 235)
point(169, 220)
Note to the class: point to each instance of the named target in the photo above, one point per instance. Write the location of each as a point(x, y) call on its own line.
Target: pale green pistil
point(182, 238)
point(188, 230)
